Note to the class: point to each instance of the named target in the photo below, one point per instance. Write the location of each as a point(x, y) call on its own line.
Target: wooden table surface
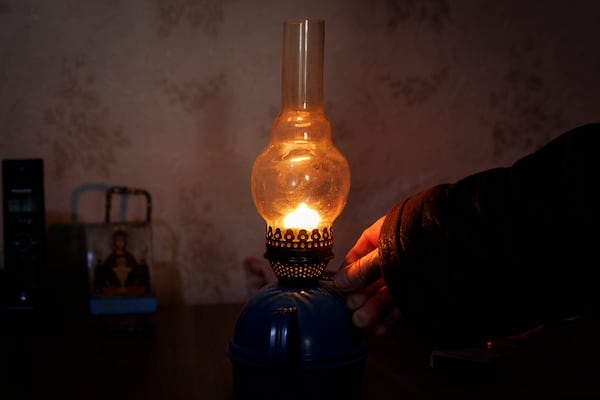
point(183, 356)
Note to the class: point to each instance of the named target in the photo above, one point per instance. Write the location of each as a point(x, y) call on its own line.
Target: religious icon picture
point(119, 267)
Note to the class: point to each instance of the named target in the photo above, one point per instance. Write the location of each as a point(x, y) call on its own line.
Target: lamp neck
point(302, 68)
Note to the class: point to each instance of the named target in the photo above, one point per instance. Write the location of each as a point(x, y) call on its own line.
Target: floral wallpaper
point(178, 96)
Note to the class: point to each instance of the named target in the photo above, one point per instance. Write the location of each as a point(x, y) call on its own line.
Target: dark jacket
point(500, 251)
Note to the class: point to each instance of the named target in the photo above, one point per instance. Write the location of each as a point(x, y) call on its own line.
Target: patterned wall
point(178, 96)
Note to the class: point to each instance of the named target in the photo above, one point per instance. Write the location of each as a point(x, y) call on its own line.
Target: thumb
point(359, 274)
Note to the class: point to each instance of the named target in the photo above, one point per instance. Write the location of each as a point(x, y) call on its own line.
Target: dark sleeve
point(500, 251)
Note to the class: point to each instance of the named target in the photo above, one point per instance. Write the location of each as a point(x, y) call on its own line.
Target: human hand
point(258, 273)
point(360, 279)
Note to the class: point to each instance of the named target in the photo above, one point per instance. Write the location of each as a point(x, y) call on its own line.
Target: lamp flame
point(302, 217)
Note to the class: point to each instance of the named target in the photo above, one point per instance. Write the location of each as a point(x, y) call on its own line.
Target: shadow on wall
point(166, 274)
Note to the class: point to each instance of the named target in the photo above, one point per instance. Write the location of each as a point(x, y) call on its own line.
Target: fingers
point(359, 274)
point(365, 244)
point(360, 279)
point(355, 300)
point(375, 310)
point(258, 272)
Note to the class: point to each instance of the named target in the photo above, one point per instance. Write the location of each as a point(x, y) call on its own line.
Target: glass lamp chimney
point(300, 181)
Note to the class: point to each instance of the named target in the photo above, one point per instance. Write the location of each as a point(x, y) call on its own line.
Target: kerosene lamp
point(295, 338)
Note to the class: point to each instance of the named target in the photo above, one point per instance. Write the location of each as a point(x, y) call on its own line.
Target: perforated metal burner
point(299, 254)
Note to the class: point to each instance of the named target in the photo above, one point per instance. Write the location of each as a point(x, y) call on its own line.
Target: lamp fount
point(300, 181)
